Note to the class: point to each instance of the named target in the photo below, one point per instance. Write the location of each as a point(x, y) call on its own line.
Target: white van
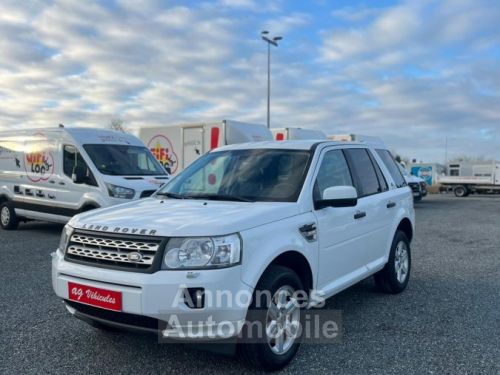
point(177, 146)
point(53, 174)
point(288, 134)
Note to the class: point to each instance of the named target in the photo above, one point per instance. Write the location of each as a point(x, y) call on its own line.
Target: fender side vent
point(309, 232)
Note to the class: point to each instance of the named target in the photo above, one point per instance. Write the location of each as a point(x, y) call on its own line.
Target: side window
point(333, 171)
point(392, 166)
point(73, 163)
point(380, 175)
point(367, 180)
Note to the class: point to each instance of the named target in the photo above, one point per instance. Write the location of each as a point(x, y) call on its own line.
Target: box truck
point(485, 178)
point(53, 174)
point(177, 146)
point(287, 134)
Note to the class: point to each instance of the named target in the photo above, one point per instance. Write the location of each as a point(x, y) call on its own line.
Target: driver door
point(341, 254)
point(70, 194)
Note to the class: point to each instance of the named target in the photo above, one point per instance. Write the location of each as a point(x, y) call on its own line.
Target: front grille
point(415, 186)
point(114, 251)
point(147, 193)
point(138, 321)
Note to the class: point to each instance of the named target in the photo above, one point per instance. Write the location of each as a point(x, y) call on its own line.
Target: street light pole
point(274, 42)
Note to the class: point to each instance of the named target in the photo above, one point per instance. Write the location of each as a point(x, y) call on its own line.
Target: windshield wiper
point(217, 197)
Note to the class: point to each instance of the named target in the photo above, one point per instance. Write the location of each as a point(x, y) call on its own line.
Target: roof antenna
point(61, 125)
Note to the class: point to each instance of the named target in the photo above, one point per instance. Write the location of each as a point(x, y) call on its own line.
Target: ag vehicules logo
point(39, 164)
point(163, 150)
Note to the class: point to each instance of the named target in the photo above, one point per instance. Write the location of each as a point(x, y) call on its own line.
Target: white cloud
point(409, 73)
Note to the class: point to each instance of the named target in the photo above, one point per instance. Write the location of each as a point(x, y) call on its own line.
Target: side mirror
point(338, 196)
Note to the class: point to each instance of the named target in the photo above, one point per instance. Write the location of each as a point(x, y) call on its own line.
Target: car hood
point(138, 183)
point(183, 217)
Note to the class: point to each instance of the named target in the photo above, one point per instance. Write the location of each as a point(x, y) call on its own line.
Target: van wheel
point(273, 321)
point(394, 277)
point(8, 217)
point(460, 191)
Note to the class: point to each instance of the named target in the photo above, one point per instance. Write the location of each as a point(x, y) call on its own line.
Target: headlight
point(202, 252)
point(120, 192)
point(65, 236)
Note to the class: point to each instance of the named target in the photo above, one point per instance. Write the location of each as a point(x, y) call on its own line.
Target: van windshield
point(123, 160)
point(242, 175)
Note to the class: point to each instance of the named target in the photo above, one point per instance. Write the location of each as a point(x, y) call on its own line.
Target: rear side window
point(392, 166)
point(366, 176)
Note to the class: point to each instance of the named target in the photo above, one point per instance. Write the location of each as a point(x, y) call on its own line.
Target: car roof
point(286, 145)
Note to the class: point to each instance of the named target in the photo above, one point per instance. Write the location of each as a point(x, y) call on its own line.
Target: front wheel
point(394, 277)
point(8, 217)
point(273, 321)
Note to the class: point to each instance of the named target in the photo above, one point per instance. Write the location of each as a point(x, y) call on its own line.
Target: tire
point(417, 198)
point(263, 353)
point(460, 191)
point(8, 217)
point(394, 277)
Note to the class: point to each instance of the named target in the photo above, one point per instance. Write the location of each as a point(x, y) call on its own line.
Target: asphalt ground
point(446, 322)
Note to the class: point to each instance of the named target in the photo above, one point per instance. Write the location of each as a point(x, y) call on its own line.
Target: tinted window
point(73, 163)
point(380, 175)
point(363, 168)
point(333, 171)
point(392, 166)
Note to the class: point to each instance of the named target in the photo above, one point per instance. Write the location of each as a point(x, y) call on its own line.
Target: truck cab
point(283, 224)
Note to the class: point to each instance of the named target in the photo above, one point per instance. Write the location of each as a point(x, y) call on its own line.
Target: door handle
point(52, 181)
point(359, 215)
point(391, 204)
point(62, 183)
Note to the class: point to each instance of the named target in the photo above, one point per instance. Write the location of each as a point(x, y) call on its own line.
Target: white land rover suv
point(254, 220)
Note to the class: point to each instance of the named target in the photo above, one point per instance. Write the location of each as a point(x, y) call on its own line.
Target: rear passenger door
point(374, 205)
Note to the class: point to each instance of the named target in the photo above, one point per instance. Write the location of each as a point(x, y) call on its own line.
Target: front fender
point(263, 244)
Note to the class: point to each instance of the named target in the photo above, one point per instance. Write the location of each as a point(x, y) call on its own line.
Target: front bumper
point(157, 297)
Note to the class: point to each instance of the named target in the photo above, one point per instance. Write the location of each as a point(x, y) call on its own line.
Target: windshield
point(242, 175)
point(123, 160)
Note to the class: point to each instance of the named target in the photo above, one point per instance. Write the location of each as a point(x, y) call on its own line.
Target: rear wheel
point(275, 312)
point(8, 217)
point(460, 191)
point(394, 277)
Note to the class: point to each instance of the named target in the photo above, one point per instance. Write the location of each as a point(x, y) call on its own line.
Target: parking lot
point(447, 321)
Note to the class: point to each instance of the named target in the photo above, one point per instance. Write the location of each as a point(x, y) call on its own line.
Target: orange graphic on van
point(163, 151)
point(39, 165)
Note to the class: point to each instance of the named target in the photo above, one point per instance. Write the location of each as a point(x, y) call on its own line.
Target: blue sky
point(413, 72)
